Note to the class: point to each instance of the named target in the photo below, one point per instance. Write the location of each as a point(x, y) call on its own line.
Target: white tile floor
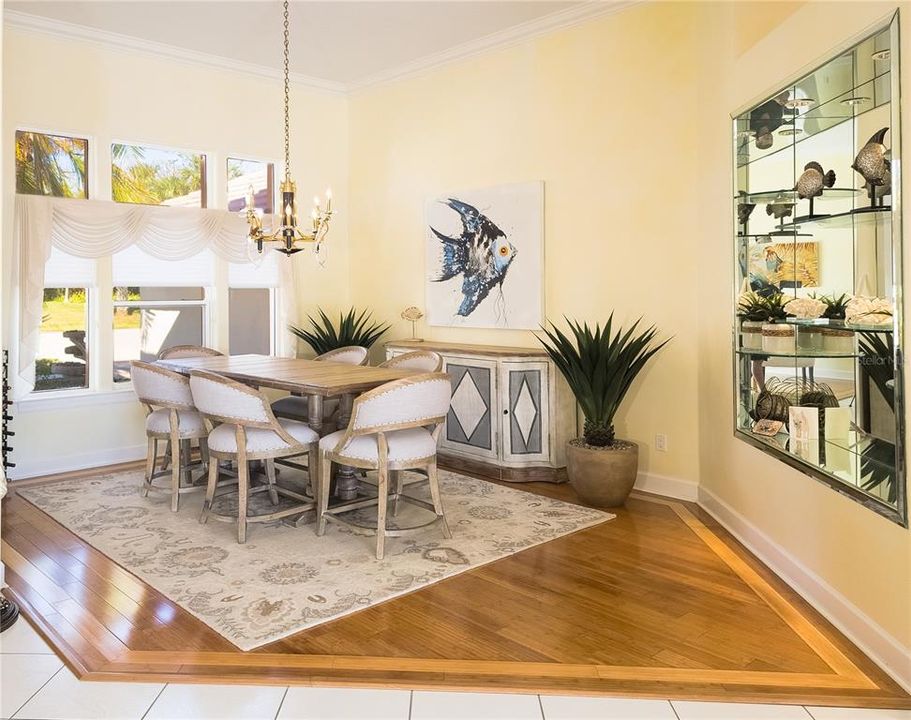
point(34, 685)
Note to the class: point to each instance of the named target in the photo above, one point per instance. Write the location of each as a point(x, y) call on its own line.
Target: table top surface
point(307, 377)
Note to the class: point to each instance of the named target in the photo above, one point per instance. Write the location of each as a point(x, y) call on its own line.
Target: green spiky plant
point(600, 365)
point(354, 328)
point(835, 306)
point(878, 457)
point(775, 306)
point(752, 306)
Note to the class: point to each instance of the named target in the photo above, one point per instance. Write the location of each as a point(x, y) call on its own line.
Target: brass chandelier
point(285, 232)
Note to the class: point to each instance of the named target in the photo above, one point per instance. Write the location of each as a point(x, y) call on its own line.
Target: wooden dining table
point(315, 380)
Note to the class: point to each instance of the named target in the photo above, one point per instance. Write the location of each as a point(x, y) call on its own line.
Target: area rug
point(286, 579)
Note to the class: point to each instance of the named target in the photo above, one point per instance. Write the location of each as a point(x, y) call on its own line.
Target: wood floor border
point(93, 652)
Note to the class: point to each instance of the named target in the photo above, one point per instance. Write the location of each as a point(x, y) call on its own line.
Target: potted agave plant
point(600, 365)
point(353, 328)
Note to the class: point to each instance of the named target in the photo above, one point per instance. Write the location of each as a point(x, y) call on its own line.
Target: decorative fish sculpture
point(481, 254)
point(811, 183)
point(779, 209)
point(871, 160)
point(744, 209)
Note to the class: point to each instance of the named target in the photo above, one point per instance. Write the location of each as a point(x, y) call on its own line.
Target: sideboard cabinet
point(511, 411)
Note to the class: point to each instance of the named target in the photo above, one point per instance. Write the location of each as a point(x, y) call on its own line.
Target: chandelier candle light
point(288, 235)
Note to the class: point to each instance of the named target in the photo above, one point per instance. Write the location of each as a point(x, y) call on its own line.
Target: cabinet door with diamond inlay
point(526, 424)
point(471, 425)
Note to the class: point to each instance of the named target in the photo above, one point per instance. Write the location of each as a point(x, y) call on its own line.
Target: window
point(149, 319)
point(51, 165)
point(62, 361)
point(244, 174)
point(250, 321)
point(154, 176)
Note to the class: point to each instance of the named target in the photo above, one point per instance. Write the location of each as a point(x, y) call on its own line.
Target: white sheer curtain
point(95, 229)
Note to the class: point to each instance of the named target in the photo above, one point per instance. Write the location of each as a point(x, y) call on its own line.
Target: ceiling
point(341, 42)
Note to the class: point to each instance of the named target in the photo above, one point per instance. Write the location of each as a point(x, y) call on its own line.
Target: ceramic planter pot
point(602, 477)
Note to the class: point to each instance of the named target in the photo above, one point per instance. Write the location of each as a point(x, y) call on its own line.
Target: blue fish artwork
point(481, 255)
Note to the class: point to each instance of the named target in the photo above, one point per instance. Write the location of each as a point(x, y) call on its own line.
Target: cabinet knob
point(506, 412)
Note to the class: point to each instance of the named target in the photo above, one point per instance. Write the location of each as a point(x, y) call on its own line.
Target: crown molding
point(36, 24)
point(560, 20)
point(570, 17)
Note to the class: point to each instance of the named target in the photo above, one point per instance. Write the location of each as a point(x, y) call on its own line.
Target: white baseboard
point(857, 626)
point(668, 486)
point(36, 467)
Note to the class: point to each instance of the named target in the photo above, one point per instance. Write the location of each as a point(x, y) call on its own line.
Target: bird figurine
point(744, 209)
point(871, 160)
point(811, 183)
point(481, 254)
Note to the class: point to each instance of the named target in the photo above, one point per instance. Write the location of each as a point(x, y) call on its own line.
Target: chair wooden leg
point(397, 482)
point(167, 455)
point(204, 454)
point(313, 466)
point(382, 488)
point(175, 473)
point(150, 468)
point(322, 496)
point(433, 479)
point(270, 477)
point(186, 454)
point(243, 482)
point(210, 491)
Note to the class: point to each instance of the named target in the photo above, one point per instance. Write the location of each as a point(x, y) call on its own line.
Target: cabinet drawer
point(525, 394)
point(471, 424)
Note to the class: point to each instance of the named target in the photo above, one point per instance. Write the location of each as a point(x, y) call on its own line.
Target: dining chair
point(172, 417)
point(188, 351)
point(394, 427)
point(423, 360)
point(184, 351)
point(297, 408)
point(245, 429)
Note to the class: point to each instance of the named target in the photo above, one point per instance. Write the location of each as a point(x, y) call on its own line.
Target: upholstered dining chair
point(298, 408)
point(172, 417)
point(393, 427)
point(184, 351)
point(188, 351)
point(422, 360)
point(246, 429)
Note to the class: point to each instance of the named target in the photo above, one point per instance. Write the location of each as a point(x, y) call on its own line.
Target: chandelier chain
point(287, 99)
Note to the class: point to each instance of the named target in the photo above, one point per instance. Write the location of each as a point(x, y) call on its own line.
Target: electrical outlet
point(661, 442)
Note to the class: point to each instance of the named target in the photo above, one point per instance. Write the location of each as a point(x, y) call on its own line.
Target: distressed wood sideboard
point(511, 415)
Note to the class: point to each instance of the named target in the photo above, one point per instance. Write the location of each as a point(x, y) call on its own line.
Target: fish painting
point(481, 254)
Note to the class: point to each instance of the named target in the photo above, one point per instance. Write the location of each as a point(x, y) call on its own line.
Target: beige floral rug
point(286, 579)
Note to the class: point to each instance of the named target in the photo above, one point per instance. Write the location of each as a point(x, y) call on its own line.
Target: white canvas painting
point(485, 257)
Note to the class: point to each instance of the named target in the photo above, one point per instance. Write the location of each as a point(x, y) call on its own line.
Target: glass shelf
point(864, 215)
point(784, 196)
point(838, 324)
point(797, 355)
point(817, 119)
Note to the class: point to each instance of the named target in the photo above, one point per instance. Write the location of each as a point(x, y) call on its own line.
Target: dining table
point(315, 380)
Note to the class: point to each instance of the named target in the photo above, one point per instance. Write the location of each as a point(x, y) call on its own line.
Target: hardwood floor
point(660, 602)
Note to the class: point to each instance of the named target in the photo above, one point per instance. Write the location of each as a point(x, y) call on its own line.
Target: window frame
point(205, 303)
point(251, 158)
point(90, 339)
point(91, 159)
point(205, 181)
point(273, 313)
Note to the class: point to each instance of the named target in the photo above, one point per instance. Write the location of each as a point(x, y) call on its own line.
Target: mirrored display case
point(817, 255)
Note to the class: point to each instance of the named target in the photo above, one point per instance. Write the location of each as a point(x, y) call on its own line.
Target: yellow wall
point(860, 554)
point(75, 87)
point(608, 125)
point(627, 121)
